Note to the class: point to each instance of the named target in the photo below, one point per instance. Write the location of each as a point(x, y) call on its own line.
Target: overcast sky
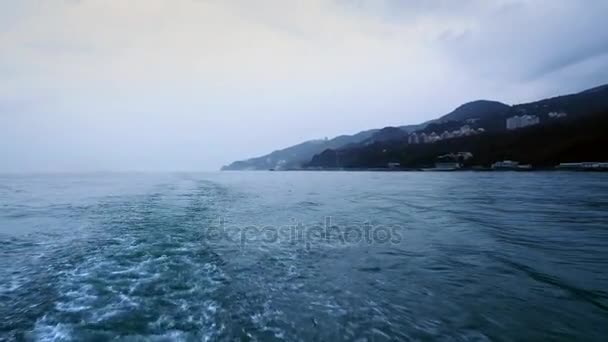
point(92, 85)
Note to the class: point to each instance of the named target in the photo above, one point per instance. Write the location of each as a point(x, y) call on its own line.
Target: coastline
point(539, 169)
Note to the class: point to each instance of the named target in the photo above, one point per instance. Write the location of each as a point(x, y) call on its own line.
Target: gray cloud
point(188, 85)
point(528, 40)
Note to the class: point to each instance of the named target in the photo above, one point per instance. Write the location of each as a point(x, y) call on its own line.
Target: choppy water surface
point(304, 256)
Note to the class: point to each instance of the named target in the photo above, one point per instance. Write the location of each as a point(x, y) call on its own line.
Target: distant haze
point(96, 85)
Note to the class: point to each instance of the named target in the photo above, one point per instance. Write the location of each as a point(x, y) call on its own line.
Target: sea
point(304, 256)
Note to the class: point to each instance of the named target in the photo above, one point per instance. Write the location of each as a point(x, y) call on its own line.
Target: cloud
point(190, 84)
point(524, 41)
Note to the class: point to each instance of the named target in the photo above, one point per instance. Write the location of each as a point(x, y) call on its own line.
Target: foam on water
point(125, 257)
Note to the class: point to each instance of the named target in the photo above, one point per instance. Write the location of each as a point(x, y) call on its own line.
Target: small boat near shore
point(445, 166)
point(510, 165)
point(585, 166)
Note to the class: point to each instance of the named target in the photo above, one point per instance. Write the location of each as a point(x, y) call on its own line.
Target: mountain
point(596, 89)
point(489, 115)
point(586, 102)
point(480, 109)
point(297, 155)
point(377, 147)
point(387, 134)
point(570, 140)
point(570, 128)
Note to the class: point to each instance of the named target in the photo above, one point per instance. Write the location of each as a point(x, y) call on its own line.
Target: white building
point(505, 164)
point(516, 122)
point(557, 115)
point(433, 137)
point(423, 138)
point(413, 139)
point(513, 122)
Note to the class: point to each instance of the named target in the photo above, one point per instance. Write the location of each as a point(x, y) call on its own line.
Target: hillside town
point(423, 138)
point(512, 123)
